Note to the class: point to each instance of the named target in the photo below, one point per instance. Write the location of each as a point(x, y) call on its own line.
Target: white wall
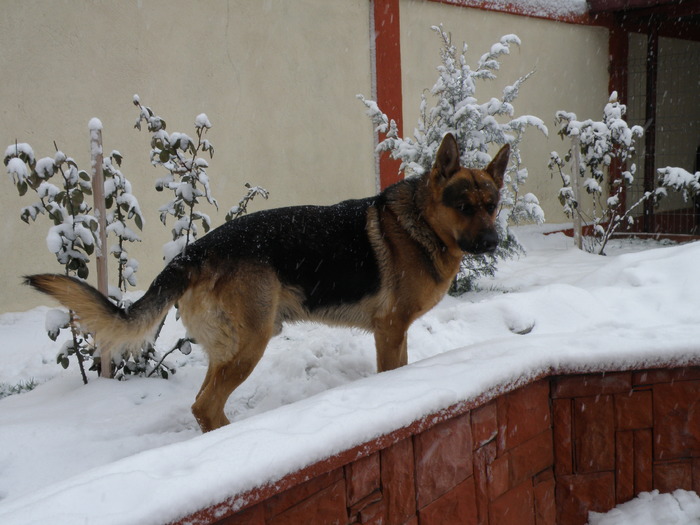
point(277, 79)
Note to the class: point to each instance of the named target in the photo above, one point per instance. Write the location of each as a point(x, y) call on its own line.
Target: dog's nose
point(486, 242)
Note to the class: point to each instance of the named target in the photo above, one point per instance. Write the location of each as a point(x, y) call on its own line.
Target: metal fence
point(677, 141)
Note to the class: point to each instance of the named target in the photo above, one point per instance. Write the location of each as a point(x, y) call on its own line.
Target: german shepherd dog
point(376, 263)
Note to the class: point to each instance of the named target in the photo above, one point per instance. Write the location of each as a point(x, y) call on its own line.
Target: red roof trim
point(519, 9)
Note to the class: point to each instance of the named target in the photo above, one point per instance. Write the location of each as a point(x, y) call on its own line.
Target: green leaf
point(138, 221)
point(22, 188)
point(83, 271)
point(77, 197)
point(164, 156)
point(62, 360)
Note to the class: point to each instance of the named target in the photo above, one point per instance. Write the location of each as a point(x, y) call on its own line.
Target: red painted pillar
point(387, 69)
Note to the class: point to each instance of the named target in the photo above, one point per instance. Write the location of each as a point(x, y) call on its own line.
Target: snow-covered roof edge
point(572, 11)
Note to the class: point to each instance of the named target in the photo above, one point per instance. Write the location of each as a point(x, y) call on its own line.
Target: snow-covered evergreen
point(476, 126)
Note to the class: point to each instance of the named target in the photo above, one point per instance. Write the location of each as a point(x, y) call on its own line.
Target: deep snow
point(131, 452)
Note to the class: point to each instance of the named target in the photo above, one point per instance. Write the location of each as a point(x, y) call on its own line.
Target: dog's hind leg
point(223, 377)
point(234, 325)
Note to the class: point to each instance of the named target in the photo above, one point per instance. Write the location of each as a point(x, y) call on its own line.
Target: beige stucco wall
point(570, 63)
point(277, 79)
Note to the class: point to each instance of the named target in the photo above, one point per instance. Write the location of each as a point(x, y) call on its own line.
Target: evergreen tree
point(476, 125)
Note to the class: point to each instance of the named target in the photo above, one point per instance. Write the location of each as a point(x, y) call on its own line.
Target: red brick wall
point(543, 454)
point(616, 435)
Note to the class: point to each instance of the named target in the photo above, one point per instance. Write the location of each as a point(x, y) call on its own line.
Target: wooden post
point(98, 193)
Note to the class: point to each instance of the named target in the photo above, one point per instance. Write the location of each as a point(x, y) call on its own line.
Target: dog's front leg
point(390, 339)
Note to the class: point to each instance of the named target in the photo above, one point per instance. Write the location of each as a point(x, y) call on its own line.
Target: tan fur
point(233, 307)
point(113, 334)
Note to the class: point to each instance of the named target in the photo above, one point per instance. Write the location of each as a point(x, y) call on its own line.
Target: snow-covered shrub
point(186, 176)
point(678, 179)
point(72, 238)
point(74, 234)
point(242, 207)
point(122, 206)
point(122, 209)
point(595, 145)
point(476, 125)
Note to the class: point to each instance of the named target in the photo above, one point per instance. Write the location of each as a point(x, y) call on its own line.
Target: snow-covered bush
point(476, 125)
point(122, 206)
point(678, 179)
point(595, 146)
point(73, 236)
point(242, 207)
point(186, 176)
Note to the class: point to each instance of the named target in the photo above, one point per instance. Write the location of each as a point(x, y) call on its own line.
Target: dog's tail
point(116, 329)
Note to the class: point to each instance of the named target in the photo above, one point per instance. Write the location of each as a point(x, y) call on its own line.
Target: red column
point(387, 68)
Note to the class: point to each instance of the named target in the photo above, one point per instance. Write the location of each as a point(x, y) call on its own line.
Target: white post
point(576, 187)
point(98, 189)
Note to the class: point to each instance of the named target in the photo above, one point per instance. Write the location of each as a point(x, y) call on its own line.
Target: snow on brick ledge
point(324, 453)
point(542, 454)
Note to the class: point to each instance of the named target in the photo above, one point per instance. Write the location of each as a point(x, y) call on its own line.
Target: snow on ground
point(131, 452)
point(681, 507)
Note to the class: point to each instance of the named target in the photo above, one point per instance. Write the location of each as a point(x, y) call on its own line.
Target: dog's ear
point(447, 158)
point(497, 167)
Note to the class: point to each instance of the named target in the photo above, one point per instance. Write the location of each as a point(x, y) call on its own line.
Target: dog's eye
point(490, 208)
point(466, 209)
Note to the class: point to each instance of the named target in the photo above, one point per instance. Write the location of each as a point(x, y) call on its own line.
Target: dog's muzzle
point(486, 242)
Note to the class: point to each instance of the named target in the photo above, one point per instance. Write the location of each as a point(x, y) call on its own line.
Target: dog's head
point(464, 201)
